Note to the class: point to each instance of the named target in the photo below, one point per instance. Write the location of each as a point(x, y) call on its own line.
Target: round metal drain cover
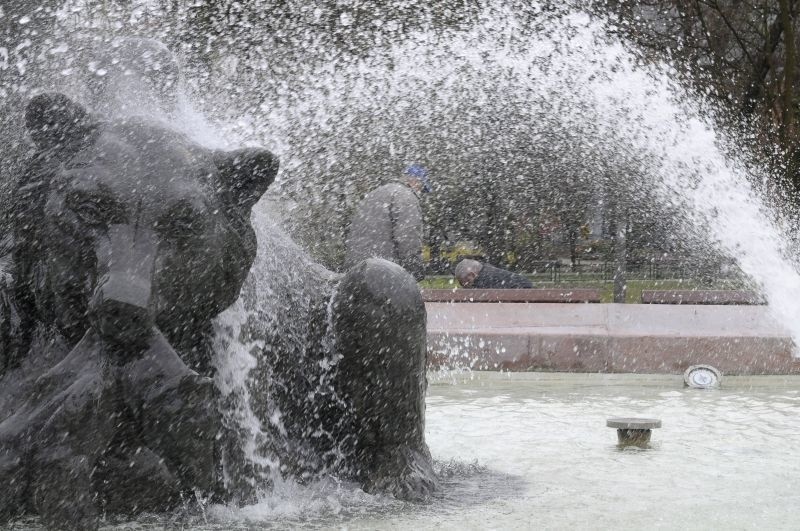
point(702, 377)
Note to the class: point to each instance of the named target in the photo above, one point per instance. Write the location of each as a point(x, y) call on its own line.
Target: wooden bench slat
point(511, 295)
point(674, 296)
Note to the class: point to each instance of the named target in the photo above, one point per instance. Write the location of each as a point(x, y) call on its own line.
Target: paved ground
point(608, 338)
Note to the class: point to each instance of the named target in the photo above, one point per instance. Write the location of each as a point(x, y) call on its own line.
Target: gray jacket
point(387, 224)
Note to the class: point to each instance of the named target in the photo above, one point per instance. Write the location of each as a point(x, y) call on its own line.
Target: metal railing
point(705, 270)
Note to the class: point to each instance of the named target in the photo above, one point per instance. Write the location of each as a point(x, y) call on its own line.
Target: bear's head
point(140, 228)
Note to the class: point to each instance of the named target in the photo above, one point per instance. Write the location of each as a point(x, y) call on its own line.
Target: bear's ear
point(55, 122)
point(244, 175)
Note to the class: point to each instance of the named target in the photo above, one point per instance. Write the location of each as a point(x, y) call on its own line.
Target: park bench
point(511, 295)
point(675, 296)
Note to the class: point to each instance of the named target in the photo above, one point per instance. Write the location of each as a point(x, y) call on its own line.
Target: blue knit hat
point(421, 174)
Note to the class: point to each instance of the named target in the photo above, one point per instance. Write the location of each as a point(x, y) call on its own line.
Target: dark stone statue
point(128, 240)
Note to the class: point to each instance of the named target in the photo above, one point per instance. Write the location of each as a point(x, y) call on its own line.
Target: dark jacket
point(387, 224)
point(492, 277)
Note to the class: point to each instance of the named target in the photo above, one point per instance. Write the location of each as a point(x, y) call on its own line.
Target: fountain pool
point(532, 451)
point(719, 460)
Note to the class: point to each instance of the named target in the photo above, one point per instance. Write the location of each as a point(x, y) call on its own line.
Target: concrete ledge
point(608, 338)
point(511, 295)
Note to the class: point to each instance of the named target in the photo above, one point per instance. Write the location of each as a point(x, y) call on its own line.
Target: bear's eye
point(93, 209)
point(88, 212)
point(183, 226)
point(180, 225)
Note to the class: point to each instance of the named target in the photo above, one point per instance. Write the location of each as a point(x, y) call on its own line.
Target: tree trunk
point(789, 67)
point(788, 70)
point(758, 76)
point(620, 256)
point(573, 246)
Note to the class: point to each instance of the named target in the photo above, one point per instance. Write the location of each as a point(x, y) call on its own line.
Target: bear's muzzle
point(121, 310)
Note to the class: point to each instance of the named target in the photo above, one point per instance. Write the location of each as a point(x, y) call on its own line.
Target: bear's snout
point(122, 323)
point(121, 310)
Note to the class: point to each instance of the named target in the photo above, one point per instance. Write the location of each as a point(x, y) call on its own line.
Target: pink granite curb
point(608, 338)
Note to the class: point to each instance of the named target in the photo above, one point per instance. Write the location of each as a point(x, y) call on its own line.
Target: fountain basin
point(530, 450)
point(738, 340)
point(714, 450)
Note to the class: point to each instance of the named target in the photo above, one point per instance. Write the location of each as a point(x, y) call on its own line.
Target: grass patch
point(633, 294)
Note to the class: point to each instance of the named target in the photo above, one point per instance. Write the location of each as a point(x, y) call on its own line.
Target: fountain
point(553, 81)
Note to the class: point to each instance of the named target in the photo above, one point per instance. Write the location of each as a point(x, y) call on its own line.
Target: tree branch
point(734, 33)
point(761, 68)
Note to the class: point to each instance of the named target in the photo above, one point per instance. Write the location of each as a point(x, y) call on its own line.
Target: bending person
point(474, 274)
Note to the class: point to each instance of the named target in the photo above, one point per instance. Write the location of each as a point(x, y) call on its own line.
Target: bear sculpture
point(128, 240)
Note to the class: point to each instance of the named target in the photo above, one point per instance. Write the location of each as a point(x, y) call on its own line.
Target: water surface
point(531, 451)
point(723, 459)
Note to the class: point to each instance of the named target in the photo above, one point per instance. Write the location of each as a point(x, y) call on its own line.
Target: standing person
point(388, 224)
point(474, 274)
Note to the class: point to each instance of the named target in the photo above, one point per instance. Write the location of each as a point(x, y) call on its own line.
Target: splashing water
point(556, 94)
point(530, 90)
point(581, 95)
